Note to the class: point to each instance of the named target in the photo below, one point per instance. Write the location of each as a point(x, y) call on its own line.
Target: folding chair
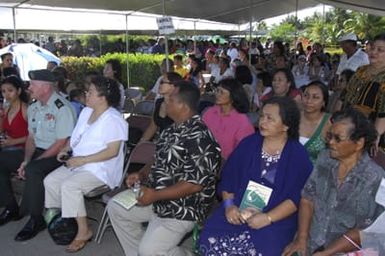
point(144, 107)
point(129, 106)
point(134, 93)
point(142, 154)
point(137, 126)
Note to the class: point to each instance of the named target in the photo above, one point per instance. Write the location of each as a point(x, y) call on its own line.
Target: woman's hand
point(258, 220)
point(61, 156)
point(7, 141)
point(233, 215)
point(298, 245)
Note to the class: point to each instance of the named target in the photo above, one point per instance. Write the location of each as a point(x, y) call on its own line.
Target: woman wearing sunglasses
point(338, 199)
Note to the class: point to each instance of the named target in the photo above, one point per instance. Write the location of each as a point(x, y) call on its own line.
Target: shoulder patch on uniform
point(59, 103)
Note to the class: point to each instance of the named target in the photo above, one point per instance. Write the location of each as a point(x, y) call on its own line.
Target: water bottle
point(136, 189)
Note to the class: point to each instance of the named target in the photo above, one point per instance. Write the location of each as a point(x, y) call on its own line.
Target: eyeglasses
point(330, 136)
point(164, 82)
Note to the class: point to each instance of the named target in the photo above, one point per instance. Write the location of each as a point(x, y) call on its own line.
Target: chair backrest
point(134, 93)
point(129, 106)
point(143, 153)
point(139, 121)
point(144, 107)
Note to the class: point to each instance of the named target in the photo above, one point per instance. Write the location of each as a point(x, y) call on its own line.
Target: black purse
point(62, 230)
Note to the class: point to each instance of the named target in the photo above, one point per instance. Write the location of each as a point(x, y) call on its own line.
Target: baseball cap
point(348, 37)
point(41, 75)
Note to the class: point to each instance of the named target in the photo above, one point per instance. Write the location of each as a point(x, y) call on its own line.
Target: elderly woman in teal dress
point(314, 120)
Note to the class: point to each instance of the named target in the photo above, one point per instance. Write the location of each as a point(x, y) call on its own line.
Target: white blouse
point(92, 138)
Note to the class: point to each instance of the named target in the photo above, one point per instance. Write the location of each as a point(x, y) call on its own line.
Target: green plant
point(143, 68)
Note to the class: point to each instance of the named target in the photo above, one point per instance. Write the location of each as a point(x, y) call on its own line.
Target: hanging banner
point(165, 25)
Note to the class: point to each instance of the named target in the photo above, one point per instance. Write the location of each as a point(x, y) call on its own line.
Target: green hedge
point(143, 68)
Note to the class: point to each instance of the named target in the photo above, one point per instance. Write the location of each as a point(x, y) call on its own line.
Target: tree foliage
point(329, 27)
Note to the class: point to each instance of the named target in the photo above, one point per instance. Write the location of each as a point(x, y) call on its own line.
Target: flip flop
point(77, 245)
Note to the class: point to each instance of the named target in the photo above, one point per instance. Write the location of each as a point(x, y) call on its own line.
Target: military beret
point(41, 75)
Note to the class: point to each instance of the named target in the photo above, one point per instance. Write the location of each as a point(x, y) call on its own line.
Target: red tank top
point(17, 128)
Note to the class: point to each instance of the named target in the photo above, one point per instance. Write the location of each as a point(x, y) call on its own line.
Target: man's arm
point(54, 149)
point(176, 191)
point(342, 244)
point(29, 148)
point(305, 215)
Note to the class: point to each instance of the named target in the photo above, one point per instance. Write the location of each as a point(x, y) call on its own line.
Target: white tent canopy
point(87, 20)
point(234, 11)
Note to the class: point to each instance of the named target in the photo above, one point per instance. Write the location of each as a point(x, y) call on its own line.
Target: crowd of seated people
point(302, 153)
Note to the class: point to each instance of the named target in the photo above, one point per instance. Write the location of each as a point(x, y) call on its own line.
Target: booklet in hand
point(126, 198)
point(255, 198)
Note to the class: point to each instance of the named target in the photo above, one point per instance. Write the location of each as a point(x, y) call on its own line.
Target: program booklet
point(255, 198)
point(126, 199)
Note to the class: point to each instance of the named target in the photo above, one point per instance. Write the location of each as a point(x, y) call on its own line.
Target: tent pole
point(100, 43)
point(127, 50)
point(194, 37)
point(323, 29)
point(296, 24)
point(250, 31)
point(14, 18)
point(165, 39)
point(14, 24)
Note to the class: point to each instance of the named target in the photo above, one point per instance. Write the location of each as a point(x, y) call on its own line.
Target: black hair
point(76, 93)
point(16, 82)
point(108, 88)
point(189, 94)
point(11, 71)
point(289, 113)
point(62, 70)
point(225, 61)
point(243, 74)
point(289, 76)
point(116, 68)
point(266, 78)
point(324, 90)
point(238, 95)
point(5, 55)
point(362, 127)
point(173, 77)
point(348, 73)
point(280, 46)
point(198, 69)
point(53, 62)
point(60, 79)
point(178, 57)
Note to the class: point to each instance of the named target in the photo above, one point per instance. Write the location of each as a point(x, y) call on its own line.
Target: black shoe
point(7, 215)
point(31, 229)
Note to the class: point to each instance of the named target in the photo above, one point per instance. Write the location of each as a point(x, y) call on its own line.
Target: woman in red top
point(284, 85)
point(13, 121)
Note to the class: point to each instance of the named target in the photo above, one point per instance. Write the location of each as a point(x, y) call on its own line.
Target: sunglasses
point(331, 136)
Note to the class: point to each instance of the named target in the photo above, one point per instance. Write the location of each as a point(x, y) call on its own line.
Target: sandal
point(77, 245)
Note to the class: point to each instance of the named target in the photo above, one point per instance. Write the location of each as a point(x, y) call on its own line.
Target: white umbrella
point(29, 57)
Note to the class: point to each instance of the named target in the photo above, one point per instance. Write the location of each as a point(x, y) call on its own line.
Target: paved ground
point(43, 245)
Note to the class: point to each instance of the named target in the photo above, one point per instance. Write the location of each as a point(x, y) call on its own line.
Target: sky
point(301, 14)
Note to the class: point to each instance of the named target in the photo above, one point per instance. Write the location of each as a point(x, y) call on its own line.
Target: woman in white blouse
point(97, 157)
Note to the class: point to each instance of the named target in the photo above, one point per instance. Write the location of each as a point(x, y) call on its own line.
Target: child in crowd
point(78, 100)
point(179, 68)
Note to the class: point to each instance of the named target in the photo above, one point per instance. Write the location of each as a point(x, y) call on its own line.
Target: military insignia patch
point(59, 103)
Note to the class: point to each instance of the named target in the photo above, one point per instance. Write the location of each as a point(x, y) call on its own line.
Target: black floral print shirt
point(186, 152)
